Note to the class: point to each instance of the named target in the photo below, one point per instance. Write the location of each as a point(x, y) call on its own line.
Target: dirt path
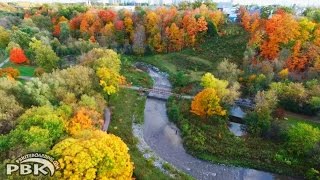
point(163, 138)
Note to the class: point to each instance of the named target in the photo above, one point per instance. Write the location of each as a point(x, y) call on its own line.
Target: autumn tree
point(108, 59)
point(202, 24)
point(109, 80)
point(280, 29)
point(84, 119)
point(93, 155)
point(227, 93)
point(107, 15)
point(9, 72)
point(297, 62)
point(44, 55)
point(317, 36)
point(175, 37)
point(17, 56)
point(306, 29)
point(189, 24)
point(139, 39)
point(245, 18)
point(207, 103)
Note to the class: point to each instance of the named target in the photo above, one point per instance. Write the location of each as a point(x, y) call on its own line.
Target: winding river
point(164, 139)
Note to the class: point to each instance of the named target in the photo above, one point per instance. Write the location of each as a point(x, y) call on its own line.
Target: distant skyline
point(241, 2)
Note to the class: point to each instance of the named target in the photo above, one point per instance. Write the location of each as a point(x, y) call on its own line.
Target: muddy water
point(163, 138)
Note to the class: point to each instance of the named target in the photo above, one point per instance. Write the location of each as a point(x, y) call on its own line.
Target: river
point(164, 139)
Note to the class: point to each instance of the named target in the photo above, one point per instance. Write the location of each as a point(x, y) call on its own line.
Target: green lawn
point(135, 76)
point(25, 70)
point(294, 121)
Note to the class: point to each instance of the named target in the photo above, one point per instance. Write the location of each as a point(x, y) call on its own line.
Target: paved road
point(163, 137)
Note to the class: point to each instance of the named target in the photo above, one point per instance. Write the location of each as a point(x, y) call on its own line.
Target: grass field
point(135, 76)
point(25, 70)
point(294, 121)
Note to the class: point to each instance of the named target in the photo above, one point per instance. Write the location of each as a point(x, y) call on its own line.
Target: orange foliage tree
point(175, 36)
point(17, 56)
point(280, 29)
point(9, 72)
point(84, 119)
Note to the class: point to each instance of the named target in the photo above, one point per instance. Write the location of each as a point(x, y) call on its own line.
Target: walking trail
point(164, 139)
point(4, 62)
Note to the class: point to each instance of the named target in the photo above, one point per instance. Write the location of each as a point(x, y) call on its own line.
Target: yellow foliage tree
point(109, 80)
point(283, 74)
point(227, 93)
point(209, 81)
point(93, 155)
point(207, 103)
point(306, 29)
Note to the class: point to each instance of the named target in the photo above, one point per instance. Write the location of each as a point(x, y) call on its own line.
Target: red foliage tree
point(56, 30)
point(17, 56)
point(107, 15)
point(119, 25)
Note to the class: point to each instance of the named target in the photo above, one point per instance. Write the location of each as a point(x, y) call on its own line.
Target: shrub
point(302, 138)
point(39, 71)
point(179, 79)
point(258, 123)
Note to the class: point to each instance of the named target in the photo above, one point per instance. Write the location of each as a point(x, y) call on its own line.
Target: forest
point(62, 66)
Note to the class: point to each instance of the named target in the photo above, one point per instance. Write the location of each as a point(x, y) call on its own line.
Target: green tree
point(42, 22)
point(259, 121)
point(21, 38)
point(4, 37)
point(34, 93)
point(75, 81)
point(302, 138)
point(65, 31)
point(45, 57)
point(38, 129)
point(10, 109)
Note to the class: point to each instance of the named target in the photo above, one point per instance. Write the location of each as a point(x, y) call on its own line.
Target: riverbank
point(164, 138)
